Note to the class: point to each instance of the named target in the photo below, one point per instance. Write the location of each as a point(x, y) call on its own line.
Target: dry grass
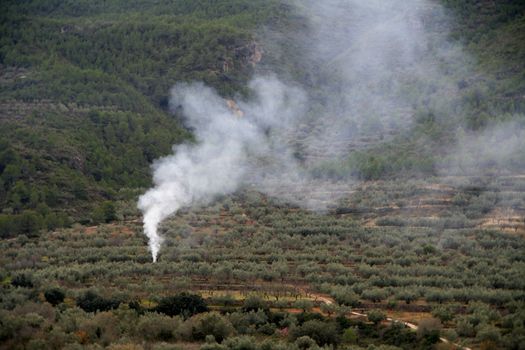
point(412, 317)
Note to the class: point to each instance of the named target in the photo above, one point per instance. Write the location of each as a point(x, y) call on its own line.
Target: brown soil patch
point(414, 317)
point(119, 231)
point(91, 230)
point(506, 220)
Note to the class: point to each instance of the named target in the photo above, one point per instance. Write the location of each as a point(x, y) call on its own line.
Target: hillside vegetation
point(269, 274)
point(84, 96)
point(84, 112)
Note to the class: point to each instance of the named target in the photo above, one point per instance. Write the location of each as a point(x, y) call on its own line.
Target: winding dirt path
point(329, 301)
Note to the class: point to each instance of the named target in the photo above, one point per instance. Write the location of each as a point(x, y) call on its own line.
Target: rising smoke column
point(361, 55)
point(225, 146)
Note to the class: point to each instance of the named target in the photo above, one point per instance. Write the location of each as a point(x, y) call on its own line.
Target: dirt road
point(329, 301)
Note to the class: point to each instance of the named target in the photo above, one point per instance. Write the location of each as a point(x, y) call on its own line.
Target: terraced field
point(452, 202)
point(413, 249)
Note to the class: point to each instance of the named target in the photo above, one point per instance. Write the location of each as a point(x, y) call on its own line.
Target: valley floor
point(444, 255)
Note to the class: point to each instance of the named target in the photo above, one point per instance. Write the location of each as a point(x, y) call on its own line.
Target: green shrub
point(92, 302)
point(376, 316)
point(23, 280)
point(350, 336)
point(54, 296)
point(323, 333)
point(183, 304)
point(212, 323)
point(155, 327)
point(254, 303)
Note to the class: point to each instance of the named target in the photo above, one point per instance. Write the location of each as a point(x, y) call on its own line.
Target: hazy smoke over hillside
point(367, 52)
point(499, 148)
point(379, 59)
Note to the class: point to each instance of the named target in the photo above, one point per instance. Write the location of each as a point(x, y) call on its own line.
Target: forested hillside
point(83, 96)
point(402, 228)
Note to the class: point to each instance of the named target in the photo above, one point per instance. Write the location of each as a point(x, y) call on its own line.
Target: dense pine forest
point(84, 97)
point(85, 94)
point(423, 249)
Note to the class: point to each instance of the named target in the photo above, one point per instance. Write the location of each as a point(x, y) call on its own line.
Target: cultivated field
point(427, 253)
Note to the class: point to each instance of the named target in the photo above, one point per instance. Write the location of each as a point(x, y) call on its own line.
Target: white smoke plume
point(360, 55)
point(226, 143)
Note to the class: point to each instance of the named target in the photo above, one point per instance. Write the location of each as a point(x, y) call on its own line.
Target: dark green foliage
point(474, 18)
point(398, 335)
point(309, 316)
point(7, 226)
point(322, 332)
point(93, 95)
point(93, 80)
point(346, 297)
point(428, 249)
point(183, 304)
point(156, 327)
point(92, 302)
point(431, 338)
point(305, 342)
point(254, 303)
point(30, 223)
point(375, 294)
point(84, 97)
point(374, 259)
point(54, 296)
point(135, 305)
point(22, 280)
point(343, 322)
point(350, 336)
point(105, 212)
point(213, 324)
point(443, 313)
point(376, 316)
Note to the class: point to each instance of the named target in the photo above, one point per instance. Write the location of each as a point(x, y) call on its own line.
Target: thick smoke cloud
point(227, 147)
point(361, 48)
point(366, 65)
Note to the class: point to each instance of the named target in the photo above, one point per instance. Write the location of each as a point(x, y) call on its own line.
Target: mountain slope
point(84, 91)
point(84, 95)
